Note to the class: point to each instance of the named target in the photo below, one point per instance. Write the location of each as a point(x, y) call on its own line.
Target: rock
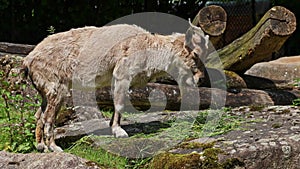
point(285, 69)
point(269, 143)
point(260, 83)
point(77, 130)
point(134, 123)
point(234, 81)
point(43, 161)
point(269, 138)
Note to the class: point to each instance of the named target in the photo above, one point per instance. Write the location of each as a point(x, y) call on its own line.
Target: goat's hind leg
point(52, 108)
point(39, 132)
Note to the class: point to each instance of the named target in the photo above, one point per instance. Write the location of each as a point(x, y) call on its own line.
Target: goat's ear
point(196, 40)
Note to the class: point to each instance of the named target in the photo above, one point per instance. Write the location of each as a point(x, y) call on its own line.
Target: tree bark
point(259, 43)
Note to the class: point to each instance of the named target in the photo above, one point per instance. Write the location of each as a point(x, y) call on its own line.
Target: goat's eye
point(194, 69)
point(195, 55)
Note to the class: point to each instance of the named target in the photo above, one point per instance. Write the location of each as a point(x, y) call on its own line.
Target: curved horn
point(195, 28)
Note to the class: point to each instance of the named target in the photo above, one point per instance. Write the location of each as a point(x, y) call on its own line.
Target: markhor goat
point(114, 56)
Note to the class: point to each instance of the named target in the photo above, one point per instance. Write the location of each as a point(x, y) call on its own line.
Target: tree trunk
point(259, 43)
point(212, 20)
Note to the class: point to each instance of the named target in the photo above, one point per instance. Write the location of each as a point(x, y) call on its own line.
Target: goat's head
point(196, 43)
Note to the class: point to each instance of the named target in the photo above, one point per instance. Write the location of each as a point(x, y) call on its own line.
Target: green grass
point(220, 122)
point(207, 123)
point(107, 114)
point(84, 148)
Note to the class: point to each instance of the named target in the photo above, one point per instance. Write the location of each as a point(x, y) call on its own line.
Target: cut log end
point(283, 21)
point(212, 19)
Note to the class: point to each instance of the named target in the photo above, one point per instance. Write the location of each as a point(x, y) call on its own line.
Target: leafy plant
point(16, 110)
point(296, 102)
point(297, 82)
point(51, 29)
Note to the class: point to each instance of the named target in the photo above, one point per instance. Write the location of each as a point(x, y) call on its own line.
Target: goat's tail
point(25, 71)
point(25, 68)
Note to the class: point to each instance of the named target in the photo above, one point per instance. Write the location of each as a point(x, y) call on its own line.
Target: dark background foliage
point(29, 21)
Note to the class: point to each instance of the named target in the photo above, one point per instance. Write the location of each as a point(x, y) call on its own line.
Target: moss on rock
point(207, 159)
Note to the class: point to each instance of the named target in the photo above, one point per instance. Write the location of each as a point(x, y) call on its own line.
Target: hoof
point(118, 132)
point(55, 148)
point(41, 147)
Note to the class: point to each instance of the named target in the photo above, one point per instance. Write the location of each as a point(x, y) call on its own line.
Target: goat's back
point(78, 53)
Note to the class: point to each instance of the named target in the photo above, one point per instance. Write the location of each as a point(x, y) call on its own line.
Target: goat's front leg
point(120, 89)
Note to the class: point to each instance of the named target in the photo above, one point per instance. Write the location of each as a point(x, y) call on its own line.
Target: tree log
point(15, 48)
point(259, 43)
point(171, 99)
point(212, 20)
